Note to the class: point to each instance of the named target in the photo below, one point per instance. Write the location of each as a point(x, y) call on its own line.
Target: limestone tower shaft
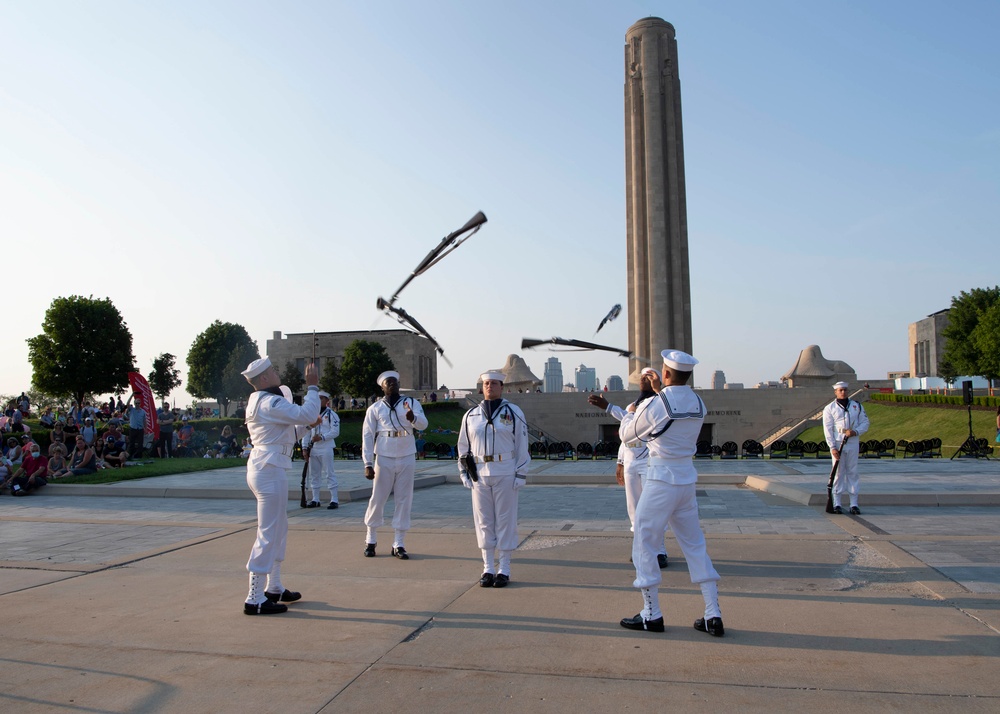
point(659, 287)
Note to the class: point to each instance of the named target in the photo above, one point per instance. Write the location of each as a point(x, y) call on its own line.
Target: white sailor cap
point(494, 375)
point(324, 394)
point(385, 375)
point(257, 367)
point(681, 361)
point(840, 385)
point(650, 371)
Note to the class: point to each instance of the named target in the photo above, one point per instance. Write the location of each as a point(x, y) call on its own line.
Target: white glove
point(466, 481)
point(518, 482)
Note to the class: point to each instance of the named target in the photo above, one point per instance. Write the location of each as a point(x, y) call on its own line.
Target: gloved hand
point(518, 482)
point(466, 481)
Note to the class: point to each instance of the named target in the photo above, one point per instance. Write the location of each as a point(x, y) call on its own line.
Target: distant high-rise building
point(586, 379)
point(614, 383)
point(719, 379)
point(552, 380)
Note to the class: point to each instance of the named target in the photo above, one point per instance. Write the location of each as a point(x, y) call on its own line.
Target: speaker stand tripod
point(969, 446)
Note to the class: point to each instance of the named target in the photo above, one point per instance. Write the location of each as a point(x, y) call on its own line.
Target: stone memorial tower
point(659, 287)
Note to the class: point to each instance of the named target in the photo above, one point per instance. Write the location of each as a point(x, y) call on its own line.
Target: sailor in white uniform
point(844, 421)
point(633, 456)
point(271, 420)
point(493, 462)
point(321, 440)
point(669, 424)
point(389, 452)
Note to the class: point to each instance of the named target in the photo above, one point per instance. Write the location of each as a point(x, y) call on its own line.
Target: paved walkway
point(125, 598)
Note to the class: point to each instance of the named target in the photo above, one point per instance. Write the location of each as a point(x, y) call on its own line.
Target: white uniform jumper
point(837, 420)
point(387, 445)
point(321, 441)
point(498, 439)
point(634, 458)
point(669, 424)
point(271, 421)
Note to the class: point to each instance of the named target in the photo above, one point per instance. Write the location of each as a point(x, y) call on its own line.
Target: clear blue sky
point(281, 165)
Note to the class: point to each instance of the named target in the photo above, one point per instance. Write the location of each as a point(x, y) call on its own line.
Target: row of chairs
point(921, 449)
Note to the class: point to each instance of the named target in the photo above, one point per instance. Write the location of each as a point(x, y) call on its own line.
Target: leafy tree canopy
point(329, 381)
point(164, 377)
point(215, 360)
point(292, 378)
point(363, 362)
point(971, 326)
point(85, 346)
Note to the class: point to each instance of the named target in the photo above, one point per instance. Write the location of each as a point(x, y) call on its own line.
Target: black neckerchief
point(844, 403)
point(392, 402)
point(644, 394)
point(272, 390)
point(490, 407)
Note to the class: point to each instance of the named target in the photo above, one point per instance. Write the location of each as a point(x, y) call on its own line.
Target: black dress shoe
point(265, 608)
point(400, 553)
point(661, 560)
point(286, 596)
point(501, 580)
point(333, 505)
point(486, 581)
point(855, 511)
point(312, 504)
point(838, 509)
point(370, 550)
point(637, 623)
point(712, 626)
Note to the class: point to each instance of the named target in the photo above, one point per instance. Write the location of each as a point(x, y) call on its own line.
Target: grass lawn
point(158, 467)
point(914, 423)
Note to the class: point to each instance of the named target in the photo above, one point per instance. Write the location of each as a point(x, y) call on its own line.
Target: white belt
point(633, 444)
point(665, 461)
point(274, 449)
point(494, 457)
point(393, 434)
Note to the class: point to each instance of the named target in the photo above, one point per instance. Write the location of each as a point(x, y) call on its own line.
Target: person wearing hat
point(844, 420)
point(389, 452)
point(136, 428)
point(633, 456)
point(271, 420)
point(321, 441)
point(669, 425)
point(494, 435)
point(88, 431)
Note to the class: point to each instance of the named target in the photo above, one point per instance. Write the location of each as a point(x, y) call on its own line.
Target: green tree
point(329, 381)
point(363, 362)
point(986, 339)
point(293, 378)
point(213, 360)
point(85, 346)
point(164, 377)
point(963, 353)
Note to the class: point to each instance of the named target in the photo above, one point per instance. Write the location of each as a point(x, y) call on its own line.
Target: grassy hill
point(913, 423)
point(443, 422)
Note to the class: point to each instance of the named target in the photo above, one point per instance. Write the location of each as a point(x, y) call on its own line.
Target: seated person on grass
point(114, 453)
point(32, 475)
point(57, 462)
point(82, 460)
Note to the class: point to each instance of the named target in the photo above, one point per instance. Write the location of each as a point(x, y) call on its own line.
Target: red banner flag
point(141, 387)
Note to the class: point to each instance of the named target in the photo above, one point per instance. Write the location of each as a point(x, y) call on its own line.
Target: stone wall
point(733, 415)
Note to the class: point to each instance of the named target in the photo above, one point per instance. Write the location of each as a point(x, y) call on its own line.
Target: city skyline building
point(719, 379)
point(552, 378)
point(585, 378)
point(614, 383)
point(659, 287)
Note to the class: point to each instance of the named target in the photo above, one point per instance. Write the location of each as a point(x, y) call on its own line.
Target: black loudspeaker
point(967, 392)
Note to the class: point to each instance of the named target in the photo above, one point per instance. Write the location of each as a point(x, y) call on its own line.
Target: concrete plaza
point(128, 598)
